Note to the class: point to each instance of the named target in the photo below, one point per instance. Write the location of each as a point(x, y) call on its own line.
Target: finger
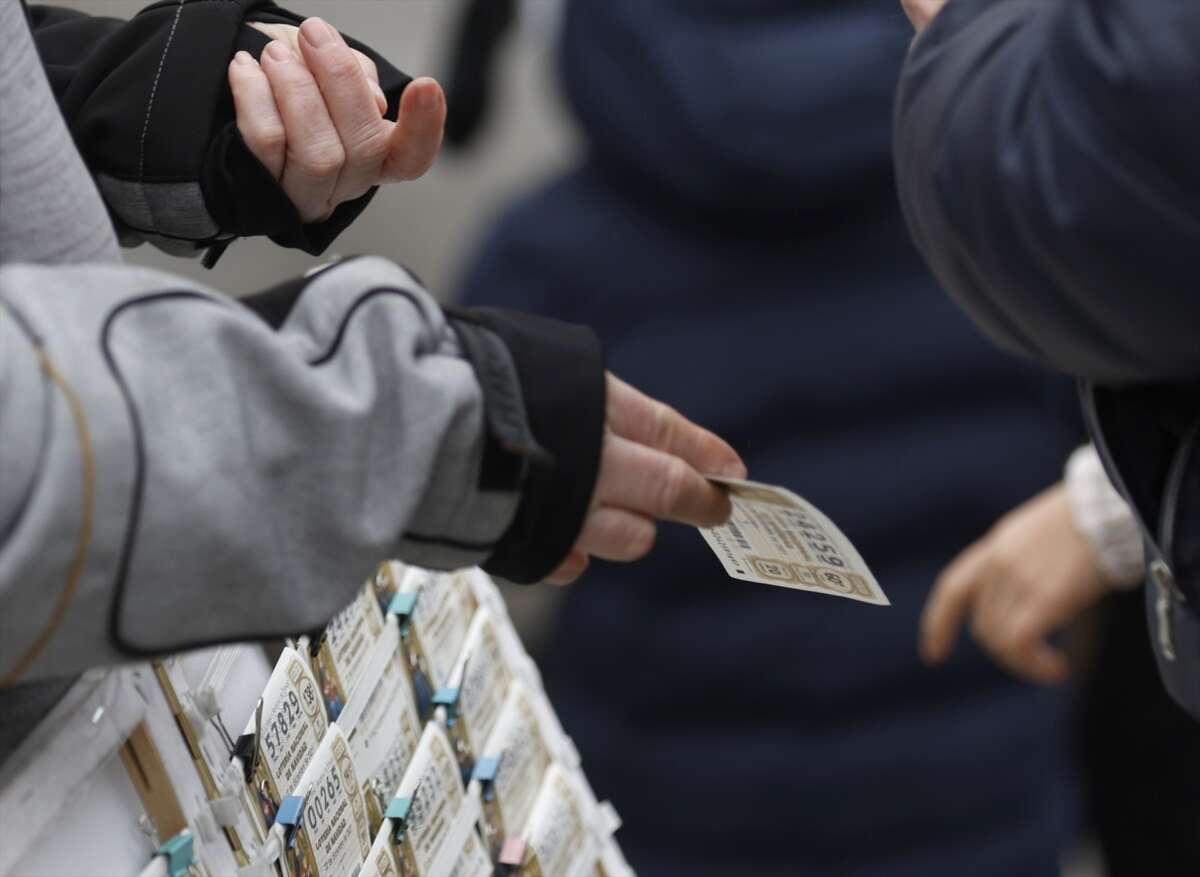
point(285, 32)
point(417, 136)
point(1019, 645)
point(314, 150)
point(258, 118)
point(953, 594)
point(369, 67)
point(636, 416)
point(351, 104)
point(616, 534)
point(569, 570)
point(653, 483)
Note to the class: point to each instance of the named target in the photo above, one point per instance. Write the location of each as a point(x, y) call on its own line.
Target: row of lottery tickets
point(411, 738)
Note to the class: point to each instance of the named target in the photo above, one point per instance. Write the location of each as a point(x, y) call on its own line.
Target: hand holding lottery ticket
point(776, 538)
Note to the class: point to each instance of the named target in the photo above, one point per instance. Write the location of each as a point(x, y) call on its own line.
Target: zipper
point(1168, 590)
point(1164, 607)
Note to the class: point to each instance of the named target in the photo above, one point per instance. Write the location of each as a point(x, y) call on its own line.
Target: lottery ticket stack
point(410, 738)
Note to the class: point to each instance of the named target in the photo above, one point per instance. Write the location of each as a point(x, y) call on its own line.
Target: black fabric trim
point(274, 305)
point(510, 442)
point(561, 370)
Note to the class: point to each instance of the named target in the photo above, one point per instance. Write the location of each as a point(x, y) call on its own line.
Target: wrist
point(1104, 519)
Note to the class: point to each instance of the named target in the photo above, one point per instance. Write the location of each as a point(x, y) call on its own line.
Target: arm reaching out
point(182, 469)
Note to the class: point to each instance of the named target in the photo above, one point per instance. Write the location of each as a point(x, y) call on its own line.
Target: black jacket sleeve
point(1046, 153)
point(149, 106)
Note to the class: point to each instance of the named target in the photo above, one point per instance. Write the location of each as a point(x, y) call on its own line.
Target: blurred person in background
point(733, 234)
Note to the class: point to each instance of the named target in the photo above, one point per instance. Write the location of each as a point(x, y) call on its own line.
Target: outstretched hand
point(1034, 572)
point(312, 113)
point(651, 466)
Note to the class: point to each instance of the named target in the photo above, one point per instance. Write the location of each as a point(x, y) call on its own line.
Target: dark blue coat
point(733, 235)
point(1048, 169)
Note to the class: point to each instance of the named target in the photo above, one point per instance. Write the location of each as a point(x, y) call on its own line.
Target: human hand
point(921, 12)
point(650, 469)
point(1033, 572)
point(312, 113)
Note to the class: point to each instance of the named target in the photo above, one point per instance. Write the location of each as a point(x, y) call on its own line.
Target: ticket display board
point(410, 737)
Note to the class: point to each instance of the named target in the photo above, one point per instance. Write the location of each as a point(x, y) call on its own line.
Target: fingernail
point(429, 98)
point(318, 32)
point(277, 51)
point(243, 58)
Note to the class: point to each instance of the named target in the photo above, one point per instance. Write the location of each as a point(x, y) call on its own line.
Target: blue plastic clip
point(402, 604)
point(180, 852)
point(485, 771)
point(397, 811)
point(290, 811)
point(447, 697)
point(486, 768)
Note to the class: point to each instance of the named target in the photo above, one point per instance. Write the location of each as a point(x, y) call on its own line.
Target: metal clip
point(1164, 604)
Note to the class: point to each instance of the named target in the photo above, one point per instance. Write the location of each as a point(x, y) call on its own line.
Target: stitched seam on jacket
point(154, 90)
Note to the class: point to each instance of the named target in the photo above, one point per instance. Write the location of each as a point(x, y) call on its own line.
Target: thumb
point(416, 137)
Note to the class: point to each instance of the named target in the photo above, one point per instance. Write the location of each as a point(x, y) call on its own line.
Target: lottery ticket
point(345, 648)
point(387, 581)
point(472, 860)
point(434, 629)
point(417, 844)
point(477, 688)
point(559, 838)
point(275, 756)
point(519, 744)
point(381, 724)
point(331, 837)
point(776, 538)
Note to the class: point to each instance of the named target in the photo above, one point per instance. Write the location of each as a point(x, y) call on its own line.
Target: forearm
point(1041, 154)
point(220, 475)
point(149, 106)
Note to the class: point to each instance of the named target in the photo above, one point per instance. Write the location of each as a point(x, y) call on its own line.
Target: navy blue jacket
point(733, 236)
point(1047, 161)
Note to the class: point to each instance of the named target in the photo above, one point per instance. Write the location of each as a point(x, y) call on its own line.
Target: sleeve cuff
point(546, 427)
point(1104, 518)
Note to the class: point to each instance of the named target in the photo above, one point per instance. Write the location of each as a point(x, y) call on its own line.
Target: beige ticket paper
point(293, 725)
point(333, 836)
point(776, 538)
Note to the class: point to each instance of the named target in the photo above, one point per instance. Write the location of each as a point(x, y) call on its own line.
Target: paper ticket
point(433, 798)
point(559, 841)
point(345, 647)
point(519, 745)
point(479, 684)
point(432, 634)
point(332, 837)
point(293, 725)
point(472, 860)
point(387, 581)
point(776, 538)
point(381, 724)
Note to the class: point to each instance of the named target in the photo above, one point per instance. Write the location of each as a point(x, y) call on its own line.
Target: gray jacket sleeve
point(178, 469)
point(1046, 162)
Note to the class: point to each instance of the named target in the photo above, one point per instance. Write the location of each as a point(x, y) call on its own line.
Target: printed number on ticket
point(776, 538)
